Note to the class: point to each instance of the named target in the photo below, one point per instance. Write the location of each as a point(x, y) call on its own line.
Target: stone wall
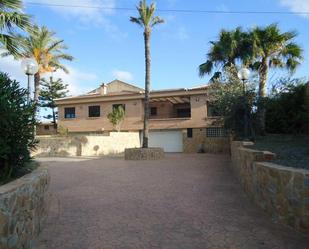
point(199, 141)
point(87, 145)
point(281, 191)
point(22, 209)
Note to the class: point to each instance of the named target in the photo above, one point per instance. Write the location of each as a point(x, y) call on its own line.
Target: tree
point(231, 47)
point(116, 117)
point(286, 110)
point(16, 128)
point(51, 90)
point(12, 18)
point(147, 20)
point(46, 50)
point(228, 101)
point(272, 49)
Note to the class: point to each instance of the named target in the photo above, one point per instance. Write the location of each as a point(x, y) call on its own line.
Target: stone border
point(143, 154)
point(281, 191)
point(23, 209)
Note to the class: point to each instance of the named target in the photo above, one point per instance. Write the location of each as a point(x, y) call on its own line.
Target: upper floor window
point(69, 112)
point(115, 106)
point(94, 111)
point(183, 113)
point(153, 111)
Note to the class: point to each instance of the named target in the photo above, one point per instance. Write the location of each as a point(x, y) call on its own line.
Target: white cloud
point(85, 11)
point(78, 81)
point(122, 75)
point(297, 6)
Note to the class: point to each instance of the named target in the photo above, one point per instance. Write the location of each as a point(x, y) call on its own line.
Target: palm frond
point(206, 68)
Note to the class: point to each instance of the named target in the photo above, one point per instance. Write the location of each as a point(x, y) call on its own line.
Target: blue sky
point(107, 46)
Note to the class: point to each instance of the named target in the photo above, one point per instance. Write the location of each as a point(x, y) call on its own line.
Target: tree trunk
point(54, 118)
point(147, 88)
point(262, 94)
point(37, 79)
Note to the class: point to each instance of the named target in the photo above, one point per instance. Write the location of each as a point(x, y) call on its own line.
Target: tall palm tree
point(225, 52)
point(46, 50)
point(272, 49)
point(147, 20)
point(11, 17)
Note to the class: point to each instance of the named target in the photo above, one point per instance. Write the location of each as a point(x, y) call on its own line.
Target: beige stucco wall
point(134, 116)
point(91, 145)
point(83, 123)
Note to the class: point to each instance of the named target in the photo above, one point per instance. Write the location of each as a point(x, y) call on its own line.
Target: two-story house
point(180, 119)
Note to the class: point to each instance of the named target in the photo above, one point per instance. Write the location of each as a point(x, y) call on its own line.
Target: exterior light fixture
point(30, 67)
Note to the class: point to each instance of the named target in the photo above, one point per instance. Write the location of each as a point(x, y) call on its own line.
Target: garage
point(169, 140)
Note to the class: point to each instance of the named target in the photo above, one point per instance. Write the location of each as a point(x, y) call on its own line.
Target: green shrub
point(17, 123)
point(286, 111)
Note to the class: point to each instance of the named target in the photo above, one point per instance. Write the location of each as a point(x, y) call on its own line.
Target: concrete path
point(181, 202)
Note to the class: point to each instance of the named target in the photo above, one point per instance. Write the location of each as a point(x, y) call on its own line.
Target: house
point(180, 119)
point(46, 128)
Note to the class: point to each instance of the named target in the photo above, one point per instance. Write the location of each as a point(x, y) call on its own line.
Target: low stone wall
point(88, 145)
point(144, 154)
point(281, 191)
point(22, 209)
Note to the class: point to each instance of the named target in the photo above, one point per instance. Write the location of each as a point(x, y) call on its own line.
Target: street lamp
point(30, 67)
point(243, 75)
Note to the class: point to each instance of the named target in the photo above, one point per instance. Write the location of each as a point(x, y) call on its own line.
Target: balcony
point(170, 108)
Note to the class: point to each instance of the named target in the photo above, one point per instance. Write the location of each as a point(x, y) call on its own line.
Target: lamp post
point(30, 67)
point(243, 75)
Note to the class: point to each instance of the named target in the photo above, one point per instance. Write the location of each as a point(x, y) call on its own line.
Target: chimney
point(103, 89)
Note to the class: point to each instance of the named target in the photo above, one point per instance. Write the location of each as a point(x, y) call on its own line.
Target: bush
point(286, 111)
point(17, 124)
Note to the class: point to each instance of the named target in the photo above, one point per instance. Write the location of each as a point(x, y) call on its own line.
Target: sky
point(106, 45)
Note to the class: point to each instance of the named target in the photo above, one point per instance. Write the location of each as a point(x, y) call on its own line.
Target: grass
point(292, 151)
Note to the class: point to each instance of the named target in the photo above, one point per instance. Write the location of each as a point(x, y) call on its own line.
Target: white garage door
point(170, 141)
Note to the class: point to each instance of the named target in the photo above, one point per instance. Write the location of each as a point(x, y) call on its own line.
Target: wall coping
point(26, 179)
point(283, 168)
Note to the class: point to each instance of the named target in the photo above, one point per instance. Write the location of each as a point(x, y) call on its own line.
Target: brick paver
point(181, 202)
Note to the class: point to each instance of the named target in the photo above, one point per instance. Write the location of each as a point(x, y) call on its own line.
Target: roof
point(122, 90)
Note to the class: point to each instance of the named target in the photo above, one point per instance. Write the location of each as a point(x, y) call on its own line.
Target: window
point(189, 132)
point(153, 111)
point(94, 111)
point(46, 127)
point(115, 106)
point(212, 111)
point(216, 132)
point(69, 112)
point(183, 113)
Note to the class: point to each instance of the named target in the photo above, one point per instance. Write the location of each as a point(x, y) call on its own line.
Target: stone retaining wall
point(22, 209)
point(281, 191)
point(86, 145)
point(199, 141)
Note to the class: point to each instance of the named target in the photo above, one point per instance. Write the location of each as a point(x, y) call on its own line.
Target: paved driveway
point(181, 202)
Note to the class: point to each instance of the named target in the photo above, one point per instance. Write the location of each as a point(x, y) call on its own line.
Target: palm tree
point(11, 18)
point(272, 49)
point(46, 50)
point(225, 52)
point(147, 20)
